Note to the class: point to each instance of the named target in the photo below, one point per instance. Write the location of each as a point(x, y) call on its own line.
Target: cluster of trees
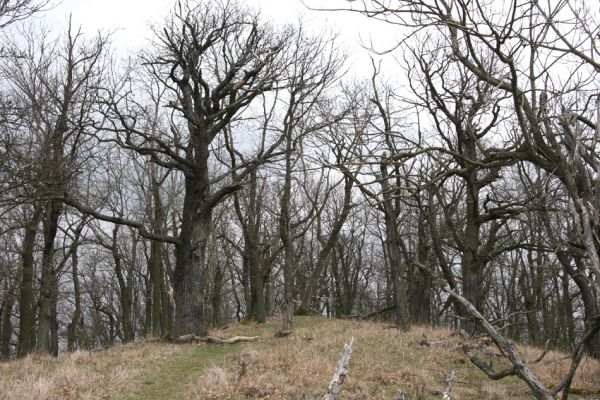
point(229, 172)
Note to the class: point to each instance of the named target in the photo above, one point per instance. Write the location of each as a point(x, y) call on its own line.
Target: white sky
point(129, 20)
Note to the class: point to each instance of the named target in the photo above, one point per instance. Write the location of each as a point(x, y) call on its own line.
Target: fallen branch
point(341, 372)
point(593, 328)
point(488, 368)
point(448, 392)
point(213, 339)
point(519, 368)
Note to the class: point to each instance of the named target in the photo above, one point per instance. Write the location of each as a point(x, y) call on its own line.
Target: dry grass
point(299, 366)
point(383, 361)
point(81, 375)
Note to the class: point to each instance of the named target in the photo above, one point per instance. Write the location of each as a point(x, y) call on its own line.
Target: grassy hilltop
point(298, 366)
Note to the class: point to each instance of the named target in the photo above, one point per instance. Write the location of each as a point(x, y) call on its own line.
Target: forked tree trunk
point(46, 338)
point(393, 245)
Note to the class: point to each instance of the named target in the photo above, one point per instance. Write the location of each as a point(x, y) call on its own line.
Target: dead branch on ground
point(341, 372)
point(213, 339)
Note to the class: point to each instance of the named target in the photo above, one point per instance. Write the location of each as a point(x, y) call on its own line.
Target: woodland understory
point(231, 170)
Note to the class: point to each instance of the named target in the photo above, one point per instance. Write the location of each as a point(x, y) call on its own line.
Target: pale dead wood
point(448, 392)
point(341, 372)
point(519, 368)
point(214, 339)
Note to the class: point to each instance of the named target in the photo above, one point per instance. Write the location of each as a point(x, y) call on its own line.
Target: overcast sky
point(129, 20)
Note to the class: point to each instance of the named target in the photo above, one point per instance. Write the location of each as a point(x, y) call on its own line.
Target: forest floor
point(298, 366)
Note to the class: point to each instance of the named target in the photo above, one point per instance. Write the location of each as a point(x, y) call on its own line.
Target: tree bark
point(393, 245)
point(191, 256)
point(75, 328)
point(286, 236)
point(26, 312)
point(6, 326)
point(46, 339)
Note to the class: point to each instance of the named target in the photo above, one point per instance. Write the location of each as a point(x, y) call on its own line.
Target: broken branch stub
point(448, 392)
point(341, 372)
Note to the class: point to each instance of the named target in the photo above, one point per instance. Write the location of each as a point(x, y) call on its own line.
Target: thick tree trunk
point(46, 338)
point(190, 260)
point(471, 265)
point(26, 312)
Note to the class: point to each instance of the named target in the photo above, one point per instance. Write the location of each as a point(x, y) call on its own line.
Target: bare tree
point(216, 59)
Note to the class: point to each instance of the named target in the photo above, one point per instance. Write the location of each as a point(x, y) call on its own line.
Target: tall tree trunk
point(254, 270)
point(26, 311)
point(421, 282)
point(125, 288)
point(157, 275)
point(74, 330)
point(286, 236)
point(46, 338)
point(471, 264)
point(191, 257)
point(393, 245)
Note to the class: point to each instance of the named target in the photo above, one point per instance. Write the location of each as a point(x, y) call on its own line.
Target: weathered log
point(341, 372)
point(213, 339)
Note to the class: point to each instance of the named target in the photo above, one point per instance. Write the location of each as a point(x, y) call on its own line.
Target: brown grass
point(383, 361)
point(299, 366)
point(80, 375)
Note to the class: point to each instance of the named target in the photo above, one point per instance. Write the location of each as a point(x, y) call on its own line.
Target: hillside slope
point(298, 366)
